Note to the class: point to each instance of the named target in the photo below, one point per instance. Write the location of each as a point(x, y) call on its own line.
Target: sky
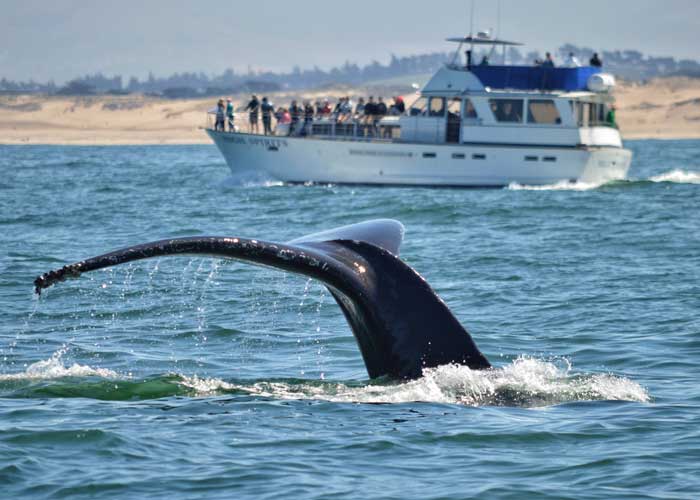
point(62, 39)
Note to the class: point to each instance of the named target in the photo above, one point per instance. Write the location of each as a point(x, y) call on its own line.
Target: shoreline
point(207, 142)
point(661, 109)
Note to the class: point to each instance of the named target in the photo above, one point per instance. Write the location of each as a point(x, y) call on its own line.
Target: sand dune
point(664, 109)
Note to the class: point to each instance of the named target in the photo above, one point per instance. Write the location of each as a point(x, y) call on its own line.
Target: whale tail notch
point(400, 324)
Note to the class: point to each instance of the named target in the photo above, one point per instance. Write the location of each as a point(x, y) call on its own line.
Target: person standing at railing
point(296, 111)
point(254, 108)
point(360, 108)
point(548, 61)
point(572, 61)
point(229, 115)
point(326, 109)
point(219, 125)
point(308, 118)
point(382, 111)
point(596, 62)
point(370, 112)
point(267, 109)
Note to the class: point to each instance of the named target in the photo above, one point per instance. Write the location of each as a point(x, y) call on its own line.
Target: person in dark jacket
point(254, 108)
point(308, 118)
point(596, 61)
point(268, 110)
point(370, 113)
point(296, 111)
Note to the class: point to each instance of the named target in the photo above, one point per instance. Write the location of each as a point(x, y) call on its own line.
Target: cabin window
point(583, 114)
point(507, 110)
point(543, 111)
point(470, 110)
point(419, 107)
point(437, 106)
point(455, 107)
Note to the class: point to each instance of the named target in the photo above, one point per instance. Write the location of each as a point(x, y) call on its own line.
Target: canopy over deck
point(534, 77)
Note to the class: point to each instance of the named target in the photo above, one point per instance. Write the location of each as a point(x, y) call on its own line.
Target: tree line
point(628, 64)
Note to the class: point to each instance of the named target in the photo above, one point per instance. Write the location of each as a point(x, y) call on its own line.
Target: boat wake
point(676, 176)
point(525, 382)
point(249, 179)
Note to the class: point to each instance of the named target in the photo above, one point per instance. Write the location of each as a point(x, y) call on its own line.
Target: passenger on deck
point(336, 109)
point(229, 115)
point(267, 109)
point(347, 109)
point(254, 108)
point(400, 105)
point(572, 61)
point(484, 61)
point(285, 116)
point(308, 118)
point(610, 118)
point(219, 125)
point(548, 61)
point(382, 109)
point(360, 108)
point(370, 112)
point(596, 62)
point(296, 111)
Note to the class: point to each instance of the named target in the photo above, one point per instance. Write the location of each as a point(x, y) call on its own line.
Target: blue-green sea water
point(188, 377)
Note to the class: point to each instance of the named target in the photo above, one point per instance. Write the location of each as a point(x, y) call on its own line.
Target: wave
point(526, 382)
point(53, 368)
point(559, 186)
point(676, 176)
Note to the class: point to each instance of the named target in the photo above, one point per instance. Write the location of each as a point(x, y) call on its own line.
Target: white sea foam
point(250, 179)
point(525, 382)
point(559, 186)
point(678, 176)
point(54, 368)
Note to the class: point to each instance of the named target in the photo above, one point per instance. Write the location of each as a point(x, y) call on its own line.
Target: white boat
point(471, 126)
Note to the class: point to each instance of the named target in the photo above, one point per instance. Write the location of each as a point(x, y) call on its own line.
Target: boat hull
point(301, 160)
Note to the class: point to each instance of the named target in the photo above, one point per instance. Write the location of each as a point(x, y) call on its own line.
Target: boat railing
point(327, 127)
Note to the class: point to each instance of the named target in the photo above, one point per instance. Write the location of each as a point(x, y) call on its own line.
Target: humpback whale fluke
point(400, 323)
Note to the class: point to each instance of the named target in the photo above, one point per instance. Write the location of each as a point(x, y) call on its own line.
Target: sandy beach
point(660, 109)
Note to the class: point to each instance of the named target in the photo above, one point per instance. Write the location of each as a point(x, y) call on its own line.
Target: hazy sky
point(61, 39)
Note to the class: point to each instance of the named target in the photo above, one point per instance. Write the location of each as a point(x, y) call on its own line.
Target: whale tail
point(400, 323)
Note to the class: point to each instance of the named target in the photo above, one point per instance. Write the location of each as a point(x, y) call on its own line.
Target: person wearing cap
point(254, 108)
point(229, 114)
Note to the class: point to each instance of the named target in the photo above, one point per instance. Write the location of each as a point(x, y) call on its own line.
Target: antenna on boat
point(498, 24)
point(471, 27)
point(498, 32)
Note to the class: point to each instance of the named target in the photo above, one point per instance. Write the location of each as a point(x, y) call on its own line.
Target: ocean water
point(197, 378)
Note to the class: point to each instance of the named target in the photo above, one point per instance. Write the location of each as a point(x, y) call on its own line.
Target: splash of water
point(526, 382)
point(678, 176)
point(55, 368)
